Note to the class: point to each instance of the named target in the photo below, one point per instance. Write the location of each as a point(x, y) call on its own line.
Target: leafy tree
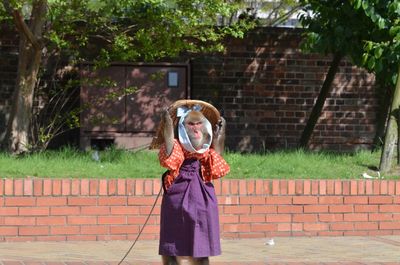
point(381, 55)
point(331, 27)
point(368, 32)
point(104, 31)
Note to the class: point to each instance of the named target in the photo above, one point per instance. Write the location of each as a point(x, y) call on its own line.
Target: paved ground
point(286, 250)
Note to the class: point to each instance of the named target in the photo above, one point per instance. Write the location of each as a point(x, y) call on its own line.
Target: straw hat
point(208, 110)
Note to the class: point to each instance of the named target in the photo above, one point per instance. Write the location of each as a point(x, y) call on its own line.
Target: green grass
point(114, 163)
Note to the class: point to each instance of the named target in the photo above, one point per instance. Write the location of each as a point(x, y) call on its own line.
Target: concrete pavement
point(286, 250)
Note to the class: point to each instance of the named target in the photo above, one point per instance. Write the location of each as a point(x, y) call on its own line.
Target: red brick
point(228, 200)
point(279, 200)
point(225, 185)
point(113, 185)
point(93, 187)
point(389, 208)
point(315, 227)
point(380, 217)
point(225, 219)
point(98, 210)
point(369, 187)
point(148, 187)
point(19, 201)
point(8, 230)
point(284, 227)
point(353, 187)
point(112, 220)
point(65, 230)
point(330, 217)
point(234, 186)
point(103, 187)
point(305, 200)
point(67, 210)
point(251, 200)
point(259, 187)
point(47, 187)
point(263, 227)
point(366, 226)
point(51, 220)
point(264, 209)
point(82, 201)
point(392, 187)
point(242, 187)
point(397, 187)
point(346, 187)
point(57, 187)
point(20, 220)
point(136, 220)
point(290, 209)
point(236, 209)
point(365, 208)
point(361, 187)
point(81, 220)
point(283, 187)
point(94, 230)
point(33, 230)
point(8, 211)
point(299, 187)
point(145, 210)
point(338, 187)
point(307, 187)
point(251, 187)
point(75, 187)
point(389, 225)
point(330, 187)
point(66, 187)
point(259, 218)
point(2, 187)
point(113, 200)
point(316, 208)
point(322, 187)
point(156, 186)
point(37, 187)
point(139, 187)
point(351, 217)
point(28, 187)
point(380, 199)
point(340, 208)
point(121, 187)
point(34, 211)
point(8, 187)
point(124, 229)
point(376, 187)
point(384, 187)
point(151, 229)
point(84, 187)
point(278, 218)
point(18, 187)
point(342, 226)
point(275, 187)
point(124, 210)
point(314, 187)
point(330, 199)
point(305, 218)
point(82, 238)
point(267, 187)
point(356, 200)
point(51, 201)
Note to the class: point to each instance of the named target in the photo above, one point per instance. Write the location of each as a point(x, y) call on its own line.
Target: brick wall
point(8, 72)
point(115, 209)
point(267, 88)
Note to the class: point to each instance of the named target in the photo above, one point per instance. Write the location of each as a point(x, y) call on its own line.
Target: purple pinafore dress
point(189, 215)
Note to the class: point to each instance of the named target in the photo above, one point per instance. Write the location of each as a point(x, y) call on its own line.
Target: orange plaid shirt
point(213, 166)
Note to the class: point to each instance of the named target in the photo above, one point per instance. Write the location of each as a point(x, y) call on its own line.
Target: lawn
point(114, 163)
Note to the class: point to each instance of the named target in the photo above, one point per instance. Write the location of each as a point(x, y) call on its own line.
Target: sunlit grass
point(114, 163)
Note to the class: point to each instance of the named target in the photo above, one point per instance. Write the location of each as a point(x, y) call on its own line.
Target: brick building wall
point(116, 209)
point(8, 72)
point(267, 88)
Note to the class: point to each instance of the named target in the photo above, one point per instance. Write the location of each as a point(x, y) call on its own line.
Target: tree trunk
point(391, 131)
point(29, 60)
point(317, 109)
